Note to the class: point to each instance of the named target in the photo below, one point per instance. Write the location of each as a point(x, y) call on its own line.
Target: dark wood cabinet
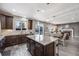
point(37, 49)
point(11, 40)
point(28, 44)
point(3, 21)
point(15, 39)
point(30, 24)
point(22, 39)
point(50, 49)
point(6, 22)
point(32, 47)
point(9, 22)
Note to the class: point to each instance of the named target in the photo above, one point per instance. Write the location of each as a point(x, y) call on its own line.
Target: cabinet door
point(19, 39)
point(29, 45)
point(9, 22)
point(50, 49)
point(30, 23)
point(39, 50)
point(32, 51)
point(24, 39)
point(11, 40)
point(6, 22)
point(3, 22)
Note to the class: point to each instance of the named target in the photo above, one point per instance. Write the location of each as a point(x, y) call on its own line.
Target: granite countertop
point(13, 32)
point(4, 33)
point(44, 40)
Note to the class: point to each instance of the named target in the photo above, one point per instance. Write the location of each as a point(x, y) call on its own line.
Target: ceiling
point(56, 13)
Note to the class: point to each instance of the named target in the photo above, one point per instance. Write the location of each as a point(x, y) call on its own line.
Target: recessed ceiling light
point(42, 10)
point(13, 10)
point(72, 18)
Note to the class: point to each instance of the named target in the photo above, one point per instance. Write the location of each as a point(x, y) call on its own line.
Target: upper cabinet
point(30, 24)
point(9, 22)
point(3, 21)
point(6, 22)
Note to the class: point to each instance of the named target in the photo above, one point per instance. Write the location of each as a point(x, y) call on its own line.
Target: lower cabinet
point(31, 46)
point(23, 38)
point(14, 40)
point(37, 49)
point(11, 40)
point(50, 49)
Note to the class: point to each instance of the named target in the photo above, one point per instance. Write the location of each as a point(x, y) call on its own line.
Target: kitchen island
point(38, 45)
point(42, 46)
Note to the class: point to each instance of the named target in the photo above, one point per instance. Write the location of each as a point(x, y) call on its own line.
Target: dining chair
point(62, 40)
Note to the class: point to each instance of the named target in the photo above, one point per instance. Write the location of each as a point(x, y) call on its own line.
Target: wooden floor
point(71, 47)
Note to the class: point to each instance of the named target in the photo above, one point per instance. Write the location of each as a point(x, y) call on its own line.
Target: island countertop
point(44, 40)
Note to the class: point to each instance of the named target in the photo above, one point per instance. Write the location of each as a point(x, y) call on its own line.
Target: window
point(21, 25)
point(39, 31)
point(39, 28)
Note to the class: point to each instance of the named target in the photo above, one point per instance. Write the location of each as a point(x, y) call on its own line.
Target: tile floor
point(17, 50)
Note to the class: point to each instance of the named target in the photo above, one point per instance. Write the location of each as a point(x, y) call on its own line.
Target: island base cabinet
point(49, 50)
point(37, 49)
